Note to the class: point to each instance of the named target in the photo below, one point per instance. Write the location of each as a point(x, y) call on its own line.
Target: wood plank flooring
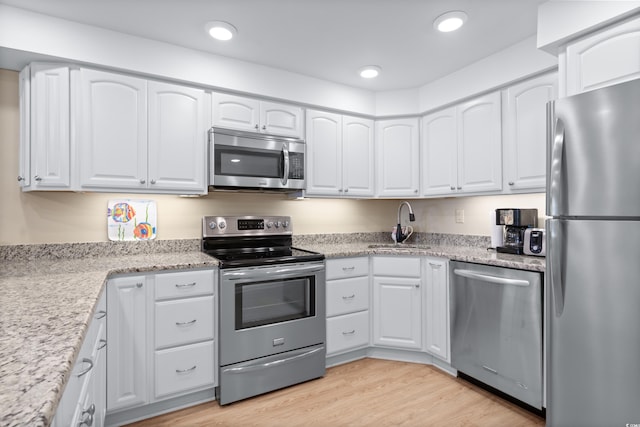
point(367, 392)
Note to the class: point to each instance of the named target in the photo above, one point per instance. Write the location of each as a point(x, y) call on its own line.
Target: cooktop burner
point(244, 241)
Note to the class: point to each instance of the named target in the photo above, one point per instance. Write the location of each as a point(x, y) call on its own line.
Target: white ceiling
point(327, 39)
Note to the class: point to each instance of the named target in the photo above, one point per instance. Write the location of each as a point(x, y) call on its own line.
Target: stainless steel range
point(272, 305)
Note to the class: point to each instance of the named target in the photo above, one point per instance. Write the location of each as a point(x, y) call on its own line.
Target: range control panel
point(213, 226)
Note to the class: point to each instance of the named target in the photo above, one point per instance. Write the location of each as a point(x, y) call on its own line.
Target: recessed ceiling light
point(220, 30)
point(450, 21)
point(369, 72)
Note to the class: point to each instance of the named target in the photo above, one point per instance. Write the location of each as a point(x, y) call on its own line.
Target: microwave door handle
point(285, 156)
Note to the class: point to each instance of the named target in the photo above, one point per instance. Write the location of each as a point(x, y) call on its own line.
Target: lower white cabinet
point(397, 302)
point(84, 399)
point(436, 281)
point(347, 304)
point(162, 337)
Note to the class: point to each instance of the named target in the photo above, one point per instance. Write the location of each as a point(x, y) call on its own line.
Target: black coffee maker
point(515, 221)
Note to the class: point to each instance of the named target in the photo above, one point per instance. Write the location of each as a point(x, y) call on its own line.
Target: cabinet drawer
point(347, 295)
point(184, 284)
point(183, 368)
point(396, 266)
point(184, 321)
point(347, 267)
point(347, 332)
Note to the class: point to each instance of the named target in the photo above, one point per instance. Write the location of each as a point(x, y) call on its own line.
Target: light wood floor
point(367, 392)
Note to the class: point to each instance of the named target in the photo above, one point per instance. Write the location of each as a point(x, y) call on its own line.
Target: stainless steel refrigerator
point(593, 258)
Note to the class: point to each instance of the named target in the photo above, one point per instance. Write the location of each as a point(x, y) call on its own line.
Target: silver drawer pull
point(486, 368)
point(353, 267)
point(90, 362)
point(191, 322)
point(183, 371)
point(352, 296)
point(186, 285)
point(352, 332)
point(101, 314)
point(103, 344)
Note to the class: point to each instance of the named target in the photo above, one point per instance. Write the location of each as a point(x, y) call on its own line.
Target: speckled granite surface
point(48, 295)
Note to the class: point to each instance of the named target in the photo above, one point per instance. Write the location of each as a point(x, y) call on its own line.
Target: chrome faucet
point(399, 236)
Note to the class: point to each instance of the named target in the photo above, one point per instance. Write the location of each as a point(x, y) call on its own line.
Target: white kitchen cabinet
point(249, 114)
point(602, 58)
point(462, 148)
point(127, 343)
point(397, 302)
point(162, 339)
point(347, 304)
point(339, 155)
point(84, 396)
point(140, 135)
point(436, 281)
point(525, 137)
point(44, 128)
point(398, 161)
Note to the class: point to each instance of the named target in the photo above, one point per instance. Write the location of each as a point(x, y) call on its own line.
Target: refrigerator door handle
point(555, 193)
point(555, 259)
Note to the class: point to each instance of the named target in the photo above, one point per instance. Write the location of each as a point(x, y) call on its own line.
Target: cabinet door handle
point(101, 314)
point(185, 285)
point(353, 267)
point(191, 322)
point(511, 183)
point(103, 344)
point(264, 127)
point(459, 188)
point(351, 332)
point(352, 296)
point(153, 181)
point(37, 178)
point(139, 285)
point(20, 178)
point(257, 127)
point(90, 362)
point(183, 371)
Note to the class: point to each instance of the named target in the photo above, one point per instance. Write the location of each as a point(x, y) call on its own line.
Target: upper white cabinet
point(237, 112)
point(44, 128)
point(398, 161)
point(525, 137)
point(462, 148)
point(140, 135)
point(603, 58)
point(339, 155)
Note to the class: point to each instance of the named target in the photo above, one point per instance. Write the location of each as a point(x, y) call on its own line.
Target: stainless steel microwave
point(255, 161)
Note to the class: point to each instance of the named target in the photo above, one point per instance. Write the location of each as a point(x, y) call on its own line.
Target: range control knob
point(277, 224)
point(269, 224)
point(222, 225)
point(285, 224)
point(212, 225)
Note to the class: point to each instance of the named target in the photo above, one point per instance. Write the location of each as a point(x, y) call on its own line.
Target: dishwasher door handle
point(470, 274)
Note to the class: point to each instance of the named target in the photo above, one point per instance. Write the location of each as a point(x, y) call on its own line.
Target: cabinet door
point(439, 153)
point(236, 112)
point(397, 314)
point(281, 119)
point(525, 132)
point(49, 133)
point(397, 147)
point(178, 127)
point(605, 58)
point(24, 91)
point(480, 145)
point(324, 155)
point(437, 307)
point(127, 349)
point(357, 157)
point(112, 134)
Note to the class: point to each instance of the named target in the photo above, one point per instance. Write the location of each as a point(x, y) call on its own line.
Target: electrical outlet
point(460, 216)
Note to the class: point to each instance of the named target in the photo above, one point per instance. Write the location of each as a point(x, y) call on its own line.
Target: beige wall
point(63, 217)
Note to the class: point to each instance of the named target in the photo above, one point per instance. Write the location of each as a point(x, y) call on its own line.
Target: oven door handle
point(250, 368)
point(271, 273)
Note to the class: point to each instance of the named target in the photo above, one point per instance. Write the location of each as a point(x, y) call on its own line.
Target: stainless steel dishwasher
point(496, 328)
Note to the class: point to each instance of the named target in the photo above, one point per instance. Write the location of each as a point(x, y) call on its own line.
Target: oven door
point(270, 310)
point(240, 159)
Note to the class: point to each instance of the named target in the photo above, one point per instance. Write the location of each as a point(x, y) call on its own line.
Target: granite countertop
point(47, 302)
point(45, 309)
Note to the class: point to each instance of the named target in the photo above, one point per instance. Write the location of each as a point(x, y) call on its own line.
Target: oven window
point(248, 162)
point(265, 303)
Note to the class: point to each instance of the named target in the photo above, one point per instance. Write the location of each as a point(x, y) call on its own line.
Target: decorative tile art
point(130, 220)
